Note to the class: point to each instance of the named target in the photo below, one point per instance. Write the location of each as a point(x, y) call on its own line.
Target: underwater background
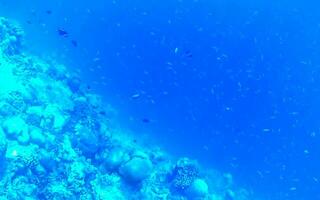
point(233, 84)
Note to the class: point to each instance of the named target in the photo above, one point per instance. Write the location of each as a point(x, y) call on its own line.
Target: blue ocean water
point(234, 84)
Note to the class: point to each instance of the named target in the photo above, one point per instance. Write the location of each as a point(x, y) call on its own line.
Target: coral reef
point(55, 141)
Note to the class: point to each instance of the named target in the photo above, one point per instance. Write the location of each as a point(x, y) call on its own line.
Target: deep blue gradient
point(235, 84)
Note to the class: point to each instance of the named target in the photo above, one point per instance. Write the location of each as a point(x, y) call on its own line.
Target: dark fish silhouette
point(74, 43)
point(63, 33)
point(49, 12)
point(188, 54)
point(146, 120)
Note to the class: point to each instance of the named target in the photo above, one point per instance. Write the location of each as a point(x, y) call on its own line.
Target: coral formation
point(55, 141)
point(184, 174)
point(198, 189)
point(137, 169)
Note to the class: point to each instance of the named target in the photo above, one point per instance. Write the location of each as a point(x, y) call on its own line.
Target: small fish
point(293, 189)
point(146, 120)
point(74, 43)
point(188, 54)
point(49, 12)
point(63, 33)
point(135, 96)
point(96, 59)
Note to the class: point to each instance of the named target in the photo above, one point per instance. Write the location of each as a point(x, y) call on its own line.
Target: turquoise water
point(231, 84)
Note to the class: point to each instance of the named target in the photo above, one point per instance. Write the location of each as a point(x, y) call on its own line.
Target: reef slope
point(56, 141)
